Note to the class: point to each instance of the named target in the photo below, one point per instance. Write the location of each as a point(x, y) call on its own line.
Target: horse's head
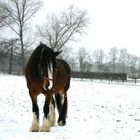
point(47, 65)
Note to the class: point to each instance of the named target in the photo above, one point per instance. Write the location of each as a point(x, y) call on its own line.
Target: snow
point(96, 111)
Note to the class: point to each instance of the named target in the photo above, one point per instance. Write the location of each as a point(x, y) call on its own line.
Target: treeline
point(114, 61)
point(57, 31)
point(10, 57)
point(101, 76)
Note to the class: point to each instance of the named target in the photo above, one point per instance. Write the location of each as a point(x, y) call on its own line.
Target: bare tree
point(8, 51)
point(99, 57)
point(133, 66)
point(19, 12)
point(138, 67)
point(3, 17)
point(123, 59)
point(83, 57)
point(113, 53)
point(60, 30)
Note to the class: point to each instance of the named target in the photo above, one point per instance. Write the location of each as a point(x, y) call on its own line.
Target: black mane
point(40, 59)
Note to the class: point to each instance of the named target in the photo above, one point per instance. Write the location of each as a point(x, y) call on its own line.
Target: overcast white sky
point(113, 22)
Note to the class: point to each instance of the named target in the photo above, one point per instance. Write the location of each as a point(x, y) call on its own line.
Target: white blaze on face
point(50, 76)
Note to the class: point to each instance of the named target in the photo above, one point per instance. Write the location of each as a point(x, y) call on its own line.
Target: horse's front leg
point(49, 114)
point(35, 109)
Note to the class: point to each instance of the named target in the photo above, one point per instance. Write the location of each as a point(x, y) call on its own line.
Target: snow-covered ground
point(96, 111)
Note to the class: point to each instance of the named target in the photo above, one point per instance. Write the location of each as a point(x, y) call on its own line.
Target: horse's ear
point(57, 53)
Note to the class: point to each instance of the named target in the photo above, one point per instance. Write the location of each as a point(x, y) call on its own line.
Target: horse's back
point(66, 65)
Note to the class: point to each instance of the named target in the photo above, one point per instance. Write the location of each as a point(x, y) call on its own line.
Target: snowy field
point(96, 111)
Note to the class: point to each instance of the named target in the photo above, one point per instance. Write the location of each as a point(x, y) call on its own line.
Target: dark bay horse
point(50, 76)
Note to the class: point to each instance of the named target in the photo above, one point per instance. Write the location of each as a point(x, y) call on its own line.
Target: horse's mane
point(34, 61)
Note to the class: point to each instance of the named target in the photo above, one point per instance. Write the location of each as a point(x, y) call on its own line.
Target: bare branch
point(9, 25)
point(17, 13)
point(58, 31)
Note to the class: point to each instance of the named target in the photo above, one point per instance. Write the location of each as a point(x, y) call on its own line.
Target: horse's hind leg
point(35, 109)
point(61, 102)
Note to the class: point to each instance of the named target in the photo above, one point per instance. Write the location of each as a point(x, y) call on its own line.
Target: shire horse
point(50, 76)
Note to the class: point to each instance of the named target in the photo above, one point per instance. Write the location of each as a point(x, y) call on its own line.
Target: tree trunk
point(22, 51)
point(11, 58)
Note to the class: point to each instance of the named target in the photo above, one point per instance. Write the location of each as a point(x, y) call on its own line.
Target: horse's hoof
point(61, 123)
point(34, 129)
point(52, 122)
point(44, 129)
